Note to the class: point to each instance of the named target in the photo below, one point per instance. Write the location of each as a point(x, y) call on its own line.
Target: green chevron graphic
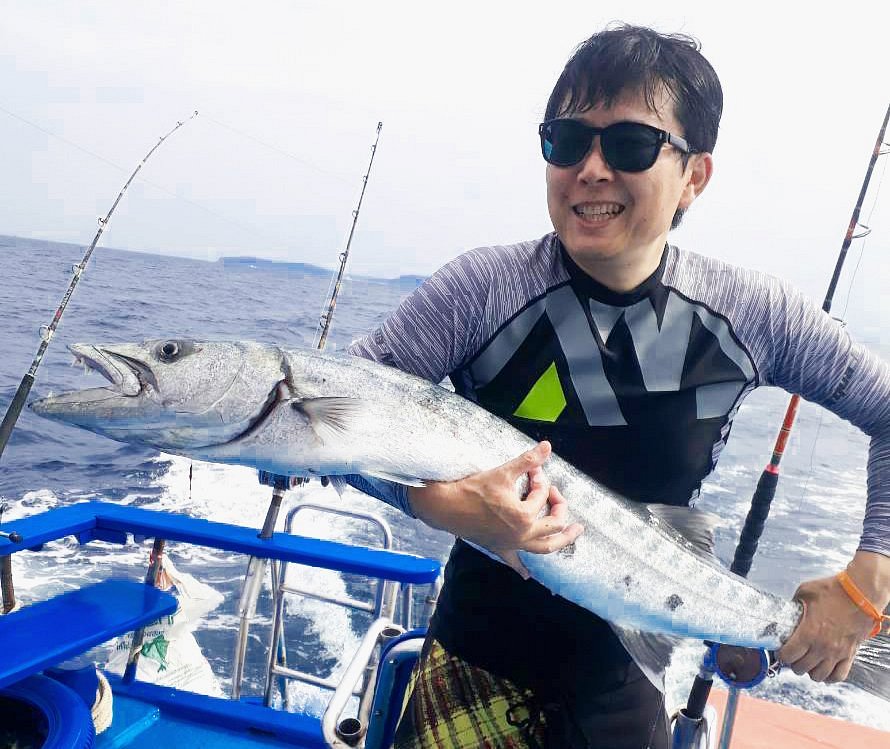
point(545, 401)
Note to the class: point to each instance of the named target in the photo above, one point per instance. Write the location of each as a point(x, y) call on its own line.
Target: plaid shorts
point(453, 705)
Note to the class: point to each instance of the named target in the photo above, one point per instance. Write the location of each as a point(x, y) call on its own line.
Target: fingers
point(819, 646)
point(840, 672)
point(542, 493)
point(556, 518)
point(552, 532)
point(820, 667)
point(555, 541)
point(538, 523)
point(529, 460)
point(511, 559)
point(538, 491)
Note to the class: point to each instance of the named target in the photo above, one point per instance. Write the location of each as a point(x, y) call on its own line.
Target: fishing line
point(64, 140)
point(247, 228)
point(804, 493)
point(340, 177)
point(865, 239)
point(48, 331)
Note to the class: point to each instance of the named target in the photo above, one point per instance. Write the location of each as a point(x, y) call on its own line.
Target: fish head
point(173, 394)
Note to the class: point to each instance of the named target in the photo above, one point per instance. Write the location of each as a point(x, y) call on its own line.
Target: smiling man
point(630, 358)
point(614, 222)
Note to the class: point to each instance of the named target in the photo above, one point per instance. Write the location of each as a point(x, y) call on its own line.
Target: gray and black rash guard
point(637, 389)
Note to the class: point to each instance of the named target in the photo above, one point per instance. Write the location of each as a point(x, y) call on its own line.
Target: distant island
point(246, 262)
point(307, 269)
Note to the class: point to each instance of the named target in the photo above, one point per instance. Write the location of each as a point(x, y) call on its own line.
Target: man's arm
point(822, 364)
point(431, 334)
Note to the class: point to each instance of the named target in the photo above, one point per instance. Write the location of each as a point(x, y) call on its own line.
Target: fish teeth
point(82, 364)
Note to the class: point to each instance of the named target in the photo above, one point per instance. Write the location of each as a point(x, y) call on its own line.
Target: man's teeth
point(603, 210)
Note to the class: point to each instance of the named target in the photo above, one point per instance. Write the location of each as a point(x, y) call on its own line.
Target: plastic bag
point(170, 654)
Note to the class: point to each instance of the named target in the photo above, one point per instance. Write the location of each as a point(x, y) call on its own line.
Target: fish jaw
point(176, 395)
point(113, 366)
point(97, 409)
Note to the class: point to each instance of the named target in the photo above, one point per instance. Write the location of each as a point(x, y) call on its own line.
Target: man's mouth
point(597, 211)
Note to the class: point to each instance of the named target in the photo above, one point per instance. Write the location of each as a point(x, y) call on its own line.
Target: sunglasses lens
point(630, 146)
point(565, 142)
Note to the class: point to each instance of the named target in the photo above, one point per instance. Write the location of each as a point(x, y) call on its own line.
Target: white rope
point(102, 708)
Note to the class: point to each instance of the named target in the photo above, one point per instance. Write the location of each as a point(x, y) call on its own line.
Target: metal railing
point(359, 676)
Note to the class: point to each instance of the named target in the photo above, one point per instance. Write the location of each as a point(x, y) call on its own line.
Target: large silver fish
point(301, 412)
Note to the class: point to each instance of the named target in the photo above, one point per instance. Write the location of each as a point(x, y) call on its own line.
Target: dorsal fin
point(695, 527)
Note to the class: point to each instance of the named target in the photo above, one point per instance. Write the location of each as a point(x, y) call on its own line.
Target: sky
point(289, 95)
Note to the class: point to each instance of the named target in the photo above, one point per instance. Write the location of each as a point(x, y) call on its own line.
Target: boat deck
point(769, 725)
point(148, 715)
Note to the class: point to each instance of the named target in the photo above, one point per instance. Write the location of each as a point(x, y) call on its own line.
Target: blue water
point(132, 296)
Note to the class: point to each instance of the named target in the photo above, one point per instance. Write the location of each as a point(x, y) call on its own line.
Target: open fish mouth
point(130, 376)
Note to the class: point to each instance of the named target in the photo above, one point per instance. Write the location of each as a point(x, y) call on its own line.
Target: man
point(631, 359)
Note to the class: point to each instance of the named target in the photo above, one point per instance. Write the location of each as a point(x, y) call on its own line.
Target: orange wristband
point(859, 598)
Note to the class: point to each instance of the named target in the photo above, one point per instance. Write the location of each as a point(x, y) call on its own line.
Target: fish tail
point(871, 667)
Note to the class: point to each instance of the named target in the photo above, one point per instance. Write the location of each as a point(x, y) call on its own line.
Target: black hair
point(624, 58)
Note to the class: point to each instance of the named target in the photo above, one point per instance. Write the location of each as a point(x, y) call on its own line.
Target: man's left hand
point(828, 636)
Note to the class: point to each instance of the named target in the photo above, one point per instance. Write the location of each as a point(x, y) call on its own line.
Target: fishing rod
point(280, 484)
point(690, 717)
point(769, 479)
point(48, 331)
point(46, 335)
point(344, 256)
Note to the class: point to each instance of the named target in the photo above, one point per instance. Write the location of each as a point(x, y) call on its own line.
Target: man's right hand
point(487, 509)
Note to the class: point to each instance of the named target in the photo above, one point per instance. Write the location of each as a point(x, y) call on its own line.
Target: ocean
point(124, 296)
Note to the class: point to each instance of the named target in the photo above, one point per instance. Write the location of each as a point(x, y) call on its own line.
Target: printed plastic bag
point(170, 654)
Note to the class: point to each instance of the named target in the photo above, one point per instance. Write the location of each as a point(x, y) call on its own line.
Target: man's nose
point(594, 167)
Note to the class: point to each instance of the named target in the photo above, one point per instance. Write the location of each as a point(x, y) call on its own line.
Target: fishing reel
point(280, 483)
point(741, 668)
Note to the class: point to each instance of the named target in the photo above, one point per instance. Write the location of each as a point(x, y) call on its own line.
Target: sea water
point(125, 296)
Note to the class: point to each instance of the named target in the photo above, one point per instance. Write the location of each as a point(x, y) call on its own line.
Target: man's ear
point(697, 175)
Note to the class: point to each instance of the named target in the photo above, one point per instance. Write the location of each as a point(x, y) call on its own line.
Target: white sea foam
point(232, 494)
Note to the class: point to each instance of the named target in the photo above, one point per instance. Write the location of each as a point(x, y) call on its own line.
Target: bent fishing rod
point(48, 331)
point(256, 566)
point(344, 256)
point(46, 335)
point(690, 717)
point(769, 479)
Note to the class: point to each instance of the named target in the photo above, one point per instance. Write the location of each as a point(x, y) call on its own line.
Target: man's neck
point(624, 272)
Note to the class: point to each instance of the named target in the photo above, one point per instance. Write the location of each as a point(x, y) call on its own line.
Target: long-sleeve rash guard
point(639, 389)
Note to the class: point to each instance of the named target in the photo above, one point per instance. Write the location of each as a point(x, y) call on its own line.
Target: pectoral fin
point(331, 418)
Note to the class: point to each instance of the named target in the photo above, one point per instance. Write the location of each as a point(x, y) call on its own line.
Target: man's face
point(613, 223)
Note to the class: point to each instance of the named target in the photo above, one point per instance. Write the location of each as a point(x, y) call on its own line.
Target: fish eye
point(168, 351)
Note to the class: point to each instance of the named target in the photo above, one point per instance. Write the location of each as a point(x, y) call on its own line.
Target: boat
point(44, 703)
point(43, 706)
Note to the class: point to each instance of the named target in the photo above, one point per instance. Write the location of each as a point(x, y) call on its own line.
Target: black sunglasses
point(626, 146)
